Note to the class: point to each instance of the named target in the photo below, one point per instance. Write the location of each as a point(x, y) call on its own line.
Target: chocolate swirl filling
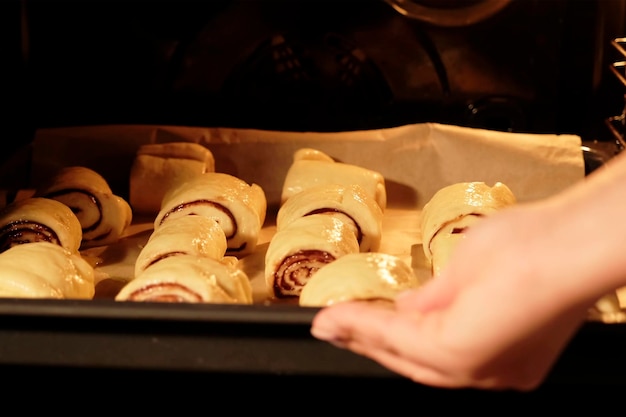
point(163, 256)
point(86, 207)
point(26, 231)
point(295, 270)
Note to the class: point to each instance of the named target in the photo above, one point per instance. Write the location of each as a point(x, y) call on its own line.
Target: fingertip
point(327, 335)
point(323, 327)
point(331, 323)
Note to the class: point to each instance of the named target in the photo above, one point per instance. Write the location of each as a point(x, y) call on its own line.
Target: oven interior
point(531, 65)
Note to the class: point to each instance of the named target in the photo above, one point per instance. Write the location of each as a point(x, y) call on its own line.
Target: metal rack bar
point(617, 124)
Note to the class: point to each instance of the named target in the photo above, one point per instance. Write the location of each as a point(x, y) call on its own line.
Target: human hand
point(497, 317)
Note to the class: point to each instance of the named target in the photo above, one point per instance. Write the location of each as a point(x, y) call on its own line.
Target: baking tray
point(179, 337)
point(142, 359)
point(257, 348)
point(257, 339)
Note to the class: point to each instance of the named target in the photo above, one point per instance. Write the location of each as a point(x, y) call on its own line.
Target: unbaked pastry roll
point(348, 202)
point(193, 235)
point(103, 215)
point(310, 168)
point(159, 166)
point(296, 252)
point(361, 276)
point(237, 206)
point(37, 219)
point(45, 270)
point(453, 209)
point(190, 279)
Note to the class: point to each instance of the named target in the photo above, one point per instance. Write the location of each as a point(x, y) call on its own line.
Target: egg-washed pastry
point(454, 208)
point(189, 279)
point(297, 251)
point(372, 276)
point(45, 270)
point(310, 168)
point(348, 202)
point(38, 219)
point(192, 235)
point(159, 166)
point(103, 215)
point(237, 206)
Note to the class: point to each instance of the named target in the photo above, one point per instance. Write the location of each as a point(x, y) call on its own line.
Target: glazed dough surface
point(310, 168)
point(238, 207)
point(193, 234)
point(189, 278)
point(363, 276)
point(453, 202)
point(349, 201)
point(45, 270)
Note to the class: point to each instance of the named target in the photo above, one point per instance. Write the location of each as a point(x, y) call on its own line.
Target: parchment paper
point(416, 160)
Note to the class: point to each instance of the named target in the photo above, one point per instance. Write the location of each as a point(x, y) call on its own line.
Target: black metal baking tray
point(180, 350)
point(176, 356)
point(257, 339)
point(271, 339)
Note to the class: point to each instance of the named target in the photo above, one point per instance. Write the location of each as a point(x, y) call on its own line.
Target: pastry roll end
point(103, 215)
point(299, 250)
point(37, 219)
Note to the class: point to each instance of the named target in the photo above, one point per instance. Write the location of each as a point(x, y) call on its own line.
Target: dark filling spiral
point(163, 256)
point(26, 231)
point(296, 269)
point(64, 196)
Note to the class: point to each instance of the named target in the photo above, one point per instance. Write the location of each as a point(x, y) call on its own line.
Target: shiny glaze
point(25, 231)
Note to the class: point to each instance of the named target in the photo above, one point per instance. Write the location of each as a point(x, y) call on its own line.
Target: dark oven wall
point(306, 65)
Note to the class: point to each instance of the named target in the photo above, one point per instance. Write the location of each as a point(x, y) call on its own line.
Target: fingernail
point(322, 334)
point(328, 336)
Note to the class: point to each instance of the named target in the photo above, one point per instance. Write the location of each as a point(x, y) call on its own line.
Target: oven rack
point(617, 123)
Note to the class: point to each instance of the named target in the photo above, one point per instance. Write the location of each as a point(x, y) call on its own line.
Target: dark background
point(538, 66)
